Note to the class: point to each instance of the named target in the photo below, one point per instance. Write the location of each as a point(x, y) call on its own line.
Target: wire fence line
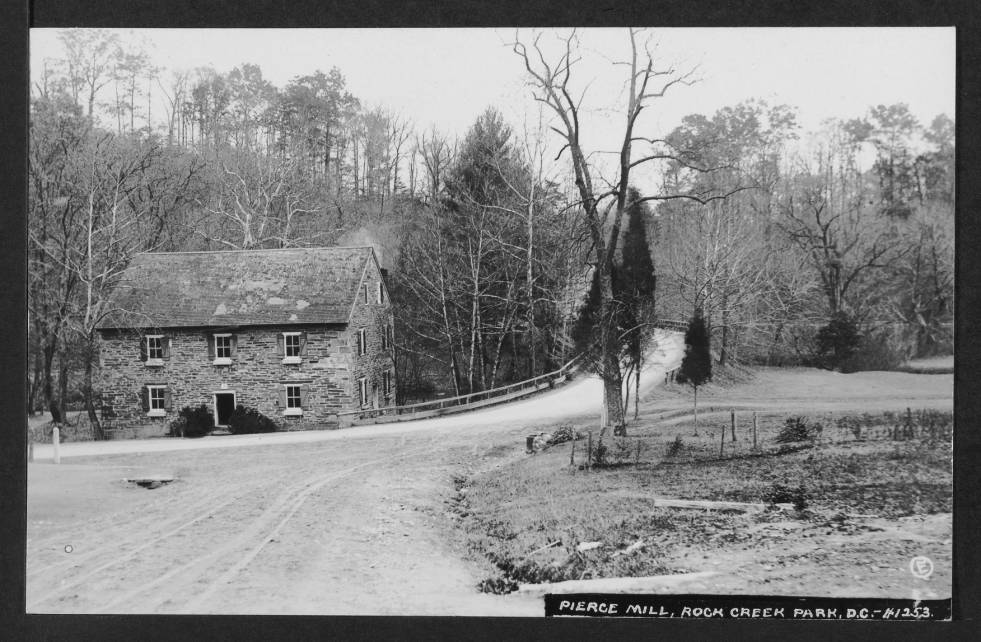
point(748, 433)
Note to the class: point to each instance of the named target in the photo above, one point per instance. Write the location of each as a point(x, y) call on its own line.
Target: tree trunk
point(97, 433)
point(637, 393)
point(63, 384)
point(724, 347)
point(36, 379)
point(613, 391)
point(696, 409)
point(531, 283)
point(50, 399)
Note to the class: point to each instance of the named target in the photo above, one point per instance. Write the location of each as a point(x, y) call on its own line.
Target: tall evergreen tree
point(696, 367)
point(637, 281)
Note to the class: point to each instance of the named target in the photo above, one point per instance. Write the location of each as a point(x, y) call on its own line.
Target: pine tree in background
point(637, 285)
point(586, 331)
point(696, 367)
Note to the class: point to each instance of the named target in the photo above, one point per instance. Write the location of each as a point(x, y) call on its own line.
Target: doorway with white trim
point(224, 404)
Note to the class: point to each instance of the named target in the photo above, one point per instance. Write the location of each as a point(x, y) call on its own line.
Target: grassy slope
point(528, 517)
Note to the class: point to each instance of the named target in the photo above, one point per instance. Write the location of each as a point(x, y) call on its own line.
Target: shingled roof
point(238, 288)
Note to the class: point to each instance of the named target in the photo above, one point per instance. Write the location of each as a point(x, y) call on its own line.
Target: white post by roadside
point(55, 438)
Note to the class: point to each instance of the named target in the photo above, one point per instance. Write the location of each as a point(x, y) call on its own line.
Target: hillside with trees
point(831, 247)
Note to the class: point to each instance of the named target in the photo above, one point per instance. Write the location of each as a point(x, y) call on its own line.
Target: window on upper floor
point(293, 344)
point(224, 349)
point(223, 346)
point(365, 292)
point(381, 293)
point(362, 342)
point(154, 348)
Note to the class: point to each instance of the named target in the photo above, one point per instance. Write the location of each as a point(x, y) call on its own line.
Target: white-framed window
point(387, 336)
point(381, 293)
point(223, 349)
point(294, 400)
point(387, 382)
point(365, 292)
point(363, 391)
point(154, 347)
point(291, 347)
point(157, 400)
point(362, 342)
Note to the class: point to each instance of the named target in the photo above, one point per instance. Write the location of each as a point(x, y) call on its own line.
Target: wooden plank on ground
point(704, 504)
point(648, 584)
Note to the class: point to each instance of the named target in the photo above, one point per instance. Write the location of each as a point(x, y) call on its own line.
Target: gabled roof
point(239, 287)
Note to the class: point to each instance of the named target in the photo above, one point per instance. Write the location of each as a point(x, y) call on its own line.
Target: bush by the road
point(193, 422)
point(247, 421)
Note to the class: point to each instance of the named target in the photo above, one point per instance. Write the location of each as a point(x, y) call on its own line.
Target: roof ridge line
point(271, 249)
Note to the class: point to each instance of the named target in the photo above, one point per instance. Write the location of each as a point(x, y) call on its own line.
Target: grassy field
point(870, 493)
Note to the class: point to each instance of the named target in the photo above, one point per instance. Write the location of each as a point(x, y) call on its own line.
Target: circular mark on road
point(69, 548)
point(921, 567)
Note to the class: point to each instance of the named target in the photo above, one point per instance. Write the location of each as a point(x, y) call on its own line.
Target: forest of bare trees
point(491, 242)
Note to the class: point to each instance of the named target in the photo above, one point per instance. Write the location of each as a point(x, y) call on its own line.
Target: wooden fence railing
point(462, 402)
point(482, 398)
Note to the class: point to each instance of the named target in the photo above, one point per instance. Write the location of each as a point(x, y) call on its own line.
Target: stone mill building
point(297, 334)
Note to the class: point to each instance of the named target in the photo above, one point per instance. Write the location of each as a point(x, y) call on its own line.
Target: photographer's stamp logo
point(921, 567)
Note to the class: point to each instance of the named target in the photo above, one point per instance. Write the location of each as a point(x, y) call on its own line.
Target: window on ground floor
point(387, 382)
point(292, 399)
point(363, 391)
point(156, 400)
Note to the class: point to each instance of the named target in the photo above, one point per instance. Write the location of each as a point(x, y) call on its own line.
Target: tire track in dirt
point(150, 521)
point(113, 549)
point(284, 507)
point(94, 524)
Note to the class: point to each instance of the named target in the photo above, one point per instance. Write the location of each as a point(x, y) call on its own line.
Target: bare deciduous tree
point(604, 205)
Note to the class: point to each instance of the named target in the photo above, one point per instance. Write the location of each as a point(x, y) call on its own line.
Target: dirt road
point(338, 522)
point(325, 529)
point(349, 521)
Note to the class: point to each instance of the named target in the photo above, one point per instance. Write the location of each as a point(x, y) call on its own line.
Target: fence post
point(55, 439)
point(30, 450)
point(732, 415)
point(589, 450)
point(572, 455)
point(722, 444)
point(755, 429)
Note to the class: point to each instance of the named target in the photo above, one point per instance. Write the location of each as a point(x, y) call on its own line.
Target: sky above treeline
point(444, 78)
